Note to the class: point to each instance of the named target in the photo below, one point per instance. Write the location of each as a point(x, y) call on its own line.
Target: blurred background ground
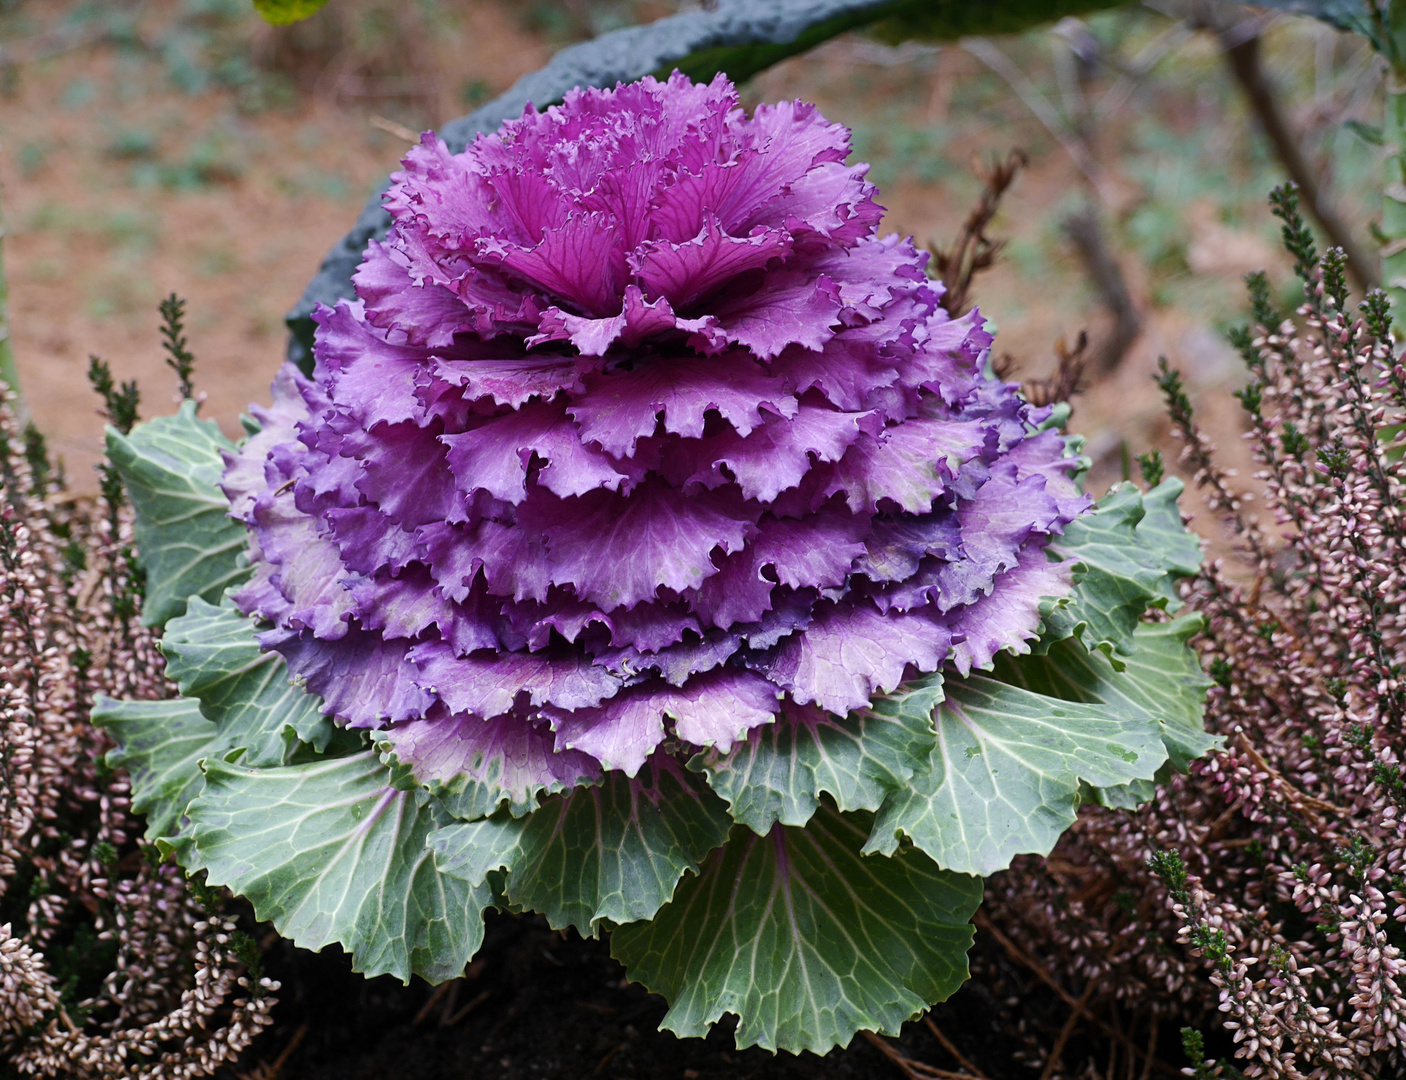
point(183, 145)
point(157, 145)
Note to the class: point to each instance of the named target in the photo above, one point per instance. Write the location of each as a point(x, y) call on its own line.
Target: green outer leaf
point(1005, 772)
point(329, 851)
point(283, 12)
point(607, 853)
point(1130, 552)
point(212, 654)
point(1163, 677)
point(1163, 528)
point(187, 543)
point(160, 744)
point(779, 773)
point(804, 940)
point(239, 704)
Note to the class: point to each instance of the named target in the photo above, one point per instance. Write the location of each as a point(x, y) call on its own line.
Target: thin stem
point(9, 373)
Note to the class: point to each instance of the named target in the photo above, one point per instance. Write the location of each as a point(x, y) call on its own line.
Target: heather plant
point(640, 552)
point(109, 965)
point(1267, 885)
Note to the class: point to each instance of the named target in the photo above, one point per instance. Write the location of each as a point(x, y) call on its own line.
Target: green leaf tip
point(329, 851)
point(780, 772)
point(239, 705)
point(161, 745)
point(608, 853)
point(1131, 551)
point(284, 12)
point(804, 939)
point(186, 542)
point(212, 655)
point(1162, 677)
point(1004, 773)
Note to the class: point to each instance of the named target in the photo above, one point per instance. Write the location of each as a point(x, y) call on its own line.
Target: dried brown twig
point(973, 250)
point(1068, 379)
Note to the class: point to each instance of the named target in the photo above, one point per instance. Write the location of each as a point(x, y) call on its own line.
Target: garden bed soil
point(539, 1004)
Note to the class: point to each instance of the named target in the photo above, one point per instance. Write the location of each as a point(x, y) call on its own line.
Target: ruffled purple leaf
point(636, 435)
point(474, 765)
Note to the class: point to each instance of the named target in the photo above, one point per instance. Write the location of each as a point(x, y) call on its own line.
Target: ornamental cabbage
point(644, 532)
point(638, 431)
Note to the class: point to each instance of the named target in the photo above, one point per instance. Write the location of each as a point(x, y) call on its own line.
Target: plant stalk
point(8, 371)
point(1392, 42)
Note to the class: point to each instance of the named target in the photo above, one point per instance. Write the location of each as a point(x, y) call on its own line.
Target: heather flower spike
point(651, 536)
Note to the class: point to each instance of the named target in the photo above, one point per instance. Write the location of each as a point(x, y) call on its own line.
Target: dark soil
point(539, 1004)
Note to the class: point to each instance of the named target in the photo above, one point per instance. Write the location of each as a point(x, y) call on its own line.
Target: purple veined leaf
point(650, 627)
point(879, 278)
point(620, 408)
point(581, 261)
point(371, 378)
point(846, 371)
point(908, 467)
point(406, 474)
point(852, 651)
point(832, 202)
point(306, 567)
point(431, 313)
point(781, 150)
point(774, 458)
point(1009, 617)
point(639, 319)
point(473, 766)
point(946, 356)
point(998, 522)
point(621, 734)
point(789, 307)
point(513, 561)
point(897, 545)
point(561, 614)
point(526, 204)
point(490, 685)
point(711, 709)
point(244, 477)
point(627, 194)
point(446, 199)
point(363, 680)
point(795, 553)
point(790, 612)
point(738, 593)
point(721, 707)
point(449, 386)
point(1044, 455)
point(683, 272)
point(259, 596)
point(676, 664)
point(496, 456)
point(407, 606)
point(369, 540)
point(995, 527)
point(328, 481)
point(618, 551)
point(1007, 417)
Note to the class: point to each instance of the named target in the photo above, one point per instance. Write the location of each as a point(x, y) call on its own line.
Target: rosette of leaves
point(649, 549)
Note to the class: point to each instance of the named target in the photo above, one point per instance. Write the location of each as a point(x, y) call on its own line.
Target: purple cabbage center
point(637, 430)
